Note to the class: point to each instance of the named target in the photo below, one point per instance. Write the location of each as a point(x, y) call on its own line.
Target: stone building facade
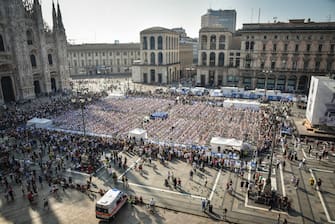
point(89, 59)
point(218, 57)
point(284, 56)
point(160, 61)
point(273, 56)
point(32, 57)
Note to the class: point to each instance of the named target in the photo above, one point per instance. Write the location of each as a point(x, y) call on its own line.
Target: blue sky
point(103, 21)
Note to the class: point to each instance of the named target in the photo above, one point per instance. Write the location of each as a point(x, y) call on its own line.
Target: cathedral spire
point(54, 17)
point(59, 18)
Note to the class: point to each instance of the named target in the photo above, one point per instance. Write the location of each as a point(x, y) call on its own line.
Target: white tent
point(225, 143)
point(138, 133)
point(39, 122)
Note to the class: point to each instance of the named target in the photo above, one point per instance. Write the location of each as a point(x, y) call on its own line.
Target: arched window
point(212, 59)
point(222, 40)
point(160, 58)
point(247, 45)
point(166, 43)
point(221, 59)
point(50, 59)
point(252, 45)
point(152, 43)
point(203, 42)
point(145, 43)
point(160, 43)
point(152, 58)
point(33, 60)
point(213, 42)
point(203, 59)
point(303, 81)
point(145, 58)
point(30, 37)
point(2, 45)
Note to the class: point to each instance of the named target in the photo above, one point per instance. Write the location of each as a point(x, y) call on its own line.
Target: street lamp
point(274, 121)
point(82, 101)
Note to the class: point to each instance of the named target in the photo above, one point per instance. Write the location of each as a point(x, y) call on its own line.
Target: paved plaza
point(175, 204)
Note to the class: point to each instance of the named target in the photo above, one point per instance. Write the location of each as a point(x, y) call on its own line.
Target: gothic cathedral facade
point(32, 56)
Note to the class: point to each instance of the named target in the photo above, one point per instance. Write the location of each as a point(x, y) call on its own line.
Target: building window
point(305, 65)
point(203, 59)
point(30, 37)
point(89, 62)
point(317, 65)
point(118, 61)
point(145, 43)
point(221, 59)
point(82, 63)
point(237, 62)
point(296, 47)
point(298, 37)
point(111, 62)
point(33, 60)
point(89, 54)
point(273, 64)
point(152, 58)
point(231, 62)
point(82, 54)
point(264, 47)
point(75, 63)
point(308, 47)
point(247, 45)
point(125, 53)
point(285, 47)
point(160, 58)
point(125, 61)
point(320, 47)
point(274, 47)
point(2, 45)
point(332, 48)
point(50, 59)
point(213, 42)
point(96, 53)
point(96, 62)
point(262, 64)
point(276, 37)
point(248, 61)
point(74, 55)
point(294, 65)
point(117, 53)
point(212, 59)
point(203, 42)
point(160, 43)
point(264, 37)
point(103, 53)
point(252, 45)
point(110, 54)
point(104, 62)
point(222, 40)
point(152, 43)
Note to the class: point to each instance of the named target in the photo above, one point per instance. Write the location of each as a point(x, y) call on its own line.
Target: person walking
point(203, 204)
point(296, 183)
point(45, 204)
point(319, 182)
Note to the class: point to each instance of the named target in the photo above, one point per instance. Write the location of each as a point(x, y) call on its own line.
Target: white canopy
point(138, 133)
point(39, 122)
point(224, 143)
point(242, 104)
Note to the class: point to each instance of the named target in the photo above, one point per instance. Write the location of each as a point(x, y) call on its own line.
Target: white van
point(110, 204)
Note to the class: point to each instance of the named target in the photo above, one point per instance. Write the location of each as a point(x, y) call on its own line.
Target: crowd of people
point(187, 123)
